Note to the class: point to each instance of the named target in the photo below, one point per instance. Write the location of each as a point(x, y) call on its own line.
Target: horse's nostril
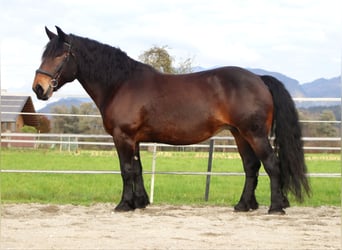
point(39, 90)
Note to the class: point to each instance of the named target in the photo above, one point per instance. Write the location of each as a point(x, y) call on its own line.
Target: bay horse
point(140, 104)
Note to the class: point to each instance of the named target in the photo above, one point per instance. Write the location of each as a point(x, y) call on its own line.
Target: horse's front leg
point(140, 197)
point(127, 174)
point(133, 193)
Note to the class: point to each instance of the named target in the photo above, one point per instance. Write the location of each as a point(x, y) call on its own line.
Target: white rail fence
point(71, 141)
point(41, 139)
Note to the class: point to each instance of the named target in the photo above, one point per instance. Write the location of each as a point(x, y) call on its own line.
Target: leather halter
point(56, 75)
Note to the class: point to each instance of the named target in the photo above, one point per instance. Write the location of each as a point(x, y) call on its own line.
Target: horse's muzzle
point(41, 93)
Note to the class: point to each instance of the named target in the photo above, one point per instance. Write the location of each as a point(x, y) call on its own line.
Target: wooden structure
point(13, 108)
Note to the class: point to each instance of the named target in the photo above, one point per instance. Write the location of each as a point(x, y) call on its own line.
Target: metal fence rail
point(99, 116)
point(27, 171)
point(73, 139)
point(153, 171)
point(106, 140)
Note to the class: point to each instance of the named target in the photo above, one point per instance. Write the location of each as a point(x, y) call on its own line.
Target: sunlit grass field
point(171, 189)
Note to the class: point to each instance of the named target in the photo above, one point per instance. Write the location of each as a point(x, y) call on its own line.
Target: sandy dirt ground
point(37, 226)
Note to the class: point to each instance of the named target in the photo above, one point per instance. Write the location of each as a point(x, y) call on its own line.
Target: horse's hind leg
point(251, 165)
point(263, 150)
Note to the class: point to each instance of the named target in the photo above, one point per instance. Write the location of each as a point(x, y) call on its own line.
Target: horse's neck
point(101, 86)
point(94, 90)
point(99, 90)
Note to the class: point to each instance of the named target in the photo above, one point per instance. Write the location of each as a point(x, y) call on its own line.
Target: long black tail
point(288, 143)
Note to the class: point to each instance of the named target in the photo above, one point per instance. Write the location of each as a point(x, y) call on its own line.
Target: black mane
point(101, 62)
point(98, 62)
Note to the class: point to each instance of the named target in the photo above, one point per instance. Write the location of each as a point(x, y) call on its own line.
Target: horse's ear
point(50, 34)
point(62, 36)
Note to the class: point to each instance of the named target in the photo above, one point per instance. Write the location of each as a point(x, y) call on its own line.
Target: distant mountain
point(292, 85)
point(199, 68)
point(323, 88)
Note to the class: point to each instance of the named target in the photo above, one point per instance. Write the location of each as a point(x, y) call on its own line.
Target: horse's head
point(58, 65)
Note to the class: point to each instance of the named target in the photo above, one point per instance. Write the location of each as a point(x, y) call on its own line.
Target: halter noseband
point(56, 75)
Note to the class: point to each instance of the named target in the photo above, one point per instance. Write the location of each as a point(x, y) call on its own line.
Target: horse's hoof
point(254, 206)
point(241, 208)
point(123, 207)
point(141, 205)
point(141, 202)
point(276, 211)
point(286, 203)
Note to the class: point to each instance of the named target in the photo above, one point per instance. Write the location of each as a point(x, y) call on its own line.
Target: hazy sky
point(300, 38)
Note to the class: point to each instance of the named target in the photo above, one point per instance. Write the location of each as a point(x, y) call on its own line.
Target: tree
point(44, 124)
point(28, 129)
point(308, 129)
point(90, 125)
point(59, 121)
point(65, 124)
point(74, 124)
point(160, 59)
point(327, 129)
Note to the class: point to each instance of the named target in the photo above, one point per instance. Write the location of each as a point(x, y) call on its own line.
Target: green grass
point(171, 189)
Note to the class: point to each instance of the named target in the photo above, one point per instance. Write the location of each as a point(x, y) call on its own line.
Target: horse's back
point(239, 93)
point(164, 108)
